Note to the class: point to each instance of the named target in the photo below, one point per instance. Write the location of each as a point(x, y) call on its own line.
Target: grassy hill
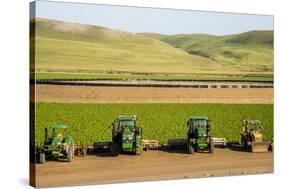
point(63, 47)
point(248, 52)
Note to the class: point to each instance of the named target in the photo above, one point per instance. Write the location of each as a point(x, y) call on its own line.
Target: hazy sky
point(164, 21)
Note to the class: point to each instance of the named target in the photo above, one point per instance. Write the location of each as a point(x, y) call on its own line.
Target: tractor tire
point(73, 150)
point(190, 149)
point(211, 147)
point(42, 158)
point(271, 147)
point(115, 149)
point(251, 148)
point(247, 147)
point(243, 144)
point(70, 154)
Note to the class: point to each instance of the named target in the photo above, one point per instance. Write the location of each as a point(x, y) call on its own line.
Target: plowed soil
point(90, 94)
point(152, 165)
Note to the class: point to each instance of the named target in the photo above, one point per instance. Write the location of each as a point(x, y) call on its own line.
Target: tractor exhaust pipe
point(46, 134)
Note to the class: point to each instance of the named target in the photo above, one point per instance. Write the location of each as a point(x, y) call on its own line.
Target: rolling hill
point(62, 47)
point(248, 52)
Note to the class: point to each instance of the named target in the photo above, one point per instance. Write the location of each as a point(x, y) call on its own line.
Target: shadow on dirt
point(106, 153)
point(180, 150)
point(169, 149)
point(235, 146)
point(172, 146)
point(179, 146)
point(57, 160)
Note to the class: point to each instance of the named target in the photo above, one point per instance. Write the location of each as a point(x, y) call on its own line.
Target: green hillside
point(64, 46)
point(248, 52)
point(86, 49)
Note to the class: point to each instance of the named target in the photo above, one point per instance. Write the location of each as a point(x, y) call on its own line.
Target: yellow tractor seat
point(60, 136)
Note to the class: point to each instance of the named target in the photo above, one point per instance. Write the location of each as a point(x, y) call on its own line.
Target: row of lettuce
point(90, 123)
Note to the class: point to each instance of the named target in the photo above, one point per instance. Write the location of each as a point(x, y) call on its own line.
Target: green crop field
point(259, 77)
point(92, 122)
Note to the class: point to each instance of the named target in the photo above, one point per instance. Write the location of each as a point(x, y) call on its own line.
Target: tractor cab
point(125, 125)
point(199, 127)
point(58, 134)
point(253, 126)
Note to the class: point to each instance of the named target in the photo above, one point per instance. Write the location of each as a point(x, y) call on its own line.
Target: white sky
point(165, 21)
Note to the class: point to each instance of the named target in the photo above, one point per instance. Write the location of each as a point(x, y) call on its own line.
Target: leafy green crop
point(92, 122)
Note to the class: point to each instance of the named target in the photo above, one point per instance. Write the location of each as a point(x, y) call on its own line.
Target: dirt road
point(90, 94)
point(152, 165)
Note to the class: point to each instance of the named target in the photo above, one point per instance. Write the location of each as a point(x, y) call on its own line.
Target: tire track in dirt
point(90, 94)
point(152, 165)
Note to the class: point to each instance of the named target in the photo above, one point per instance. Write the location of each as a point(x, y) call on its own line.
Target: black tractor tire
point(251, 148)
point(243, 143)
point(69, 155)
point(247, 147)
point(115, 149)
point(42, 158)
point(190, 149)
point(271, 147)
point(211, 147)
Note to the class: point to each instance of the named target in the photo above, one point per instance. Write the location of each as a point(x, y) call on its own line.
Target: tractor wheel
point(190, 149)
point(211, 147)
point(247, 147)
point(70, 154)
point(251, 148)
point(73, 150)
point(243, 144)
point(115, 149)
point(42, 158)
point(271, 147)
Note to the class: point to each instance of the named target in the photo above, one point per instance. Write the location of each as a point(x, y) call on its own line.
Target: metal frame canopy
point(199, 117)
point(251, 122)
point(122, 117)
point(59, 126)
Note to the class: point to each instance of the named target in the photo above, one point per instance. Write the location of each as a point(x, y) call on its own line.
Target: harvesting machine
point(252, 136)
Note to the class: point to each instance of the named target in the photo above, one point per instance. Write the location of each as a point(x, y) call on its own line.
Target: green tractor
point(126, 135)
point(198, 136)
point(58, 145)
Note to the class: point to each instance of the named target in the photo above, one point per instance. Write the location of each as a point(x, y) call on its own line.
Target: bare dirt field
point(91, 94)
point(152, 165)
